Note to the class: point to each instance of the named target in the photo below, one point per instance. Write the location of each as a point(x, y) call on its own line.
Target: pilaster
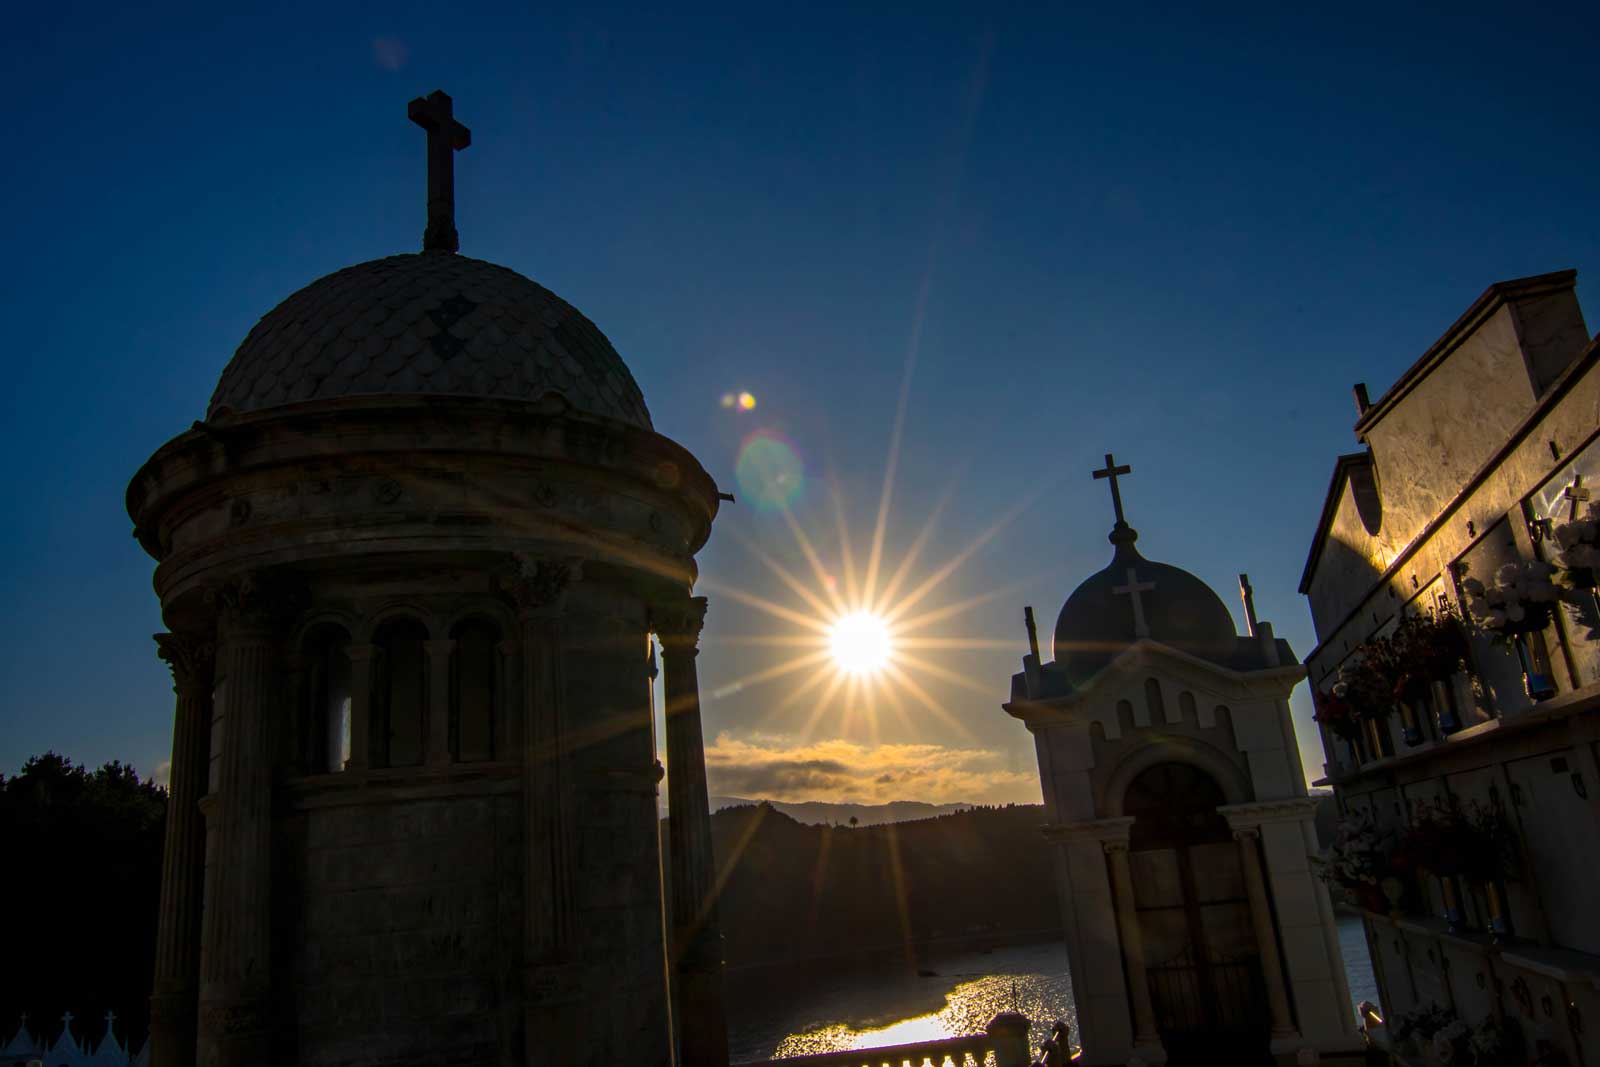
point(553, 984)
point(174, 1000)
point(235, 994)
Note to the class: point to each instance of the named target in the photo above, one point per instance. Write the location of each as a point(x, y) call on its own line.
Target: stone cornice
point(1113, 831)
point(1260, 812)
point(400, 429)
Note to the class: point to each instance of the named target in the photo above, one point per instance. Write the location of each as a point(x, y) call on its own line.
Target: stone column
point(1144, 1013)
point(437, 747)
point(236, 993)
point(552, 984)
point(696, 936)
point(1266, 935)
point(174, 1000)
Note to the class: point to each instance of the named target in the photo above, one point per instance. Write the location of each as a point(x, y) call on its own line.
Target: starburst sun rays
point(871, 640)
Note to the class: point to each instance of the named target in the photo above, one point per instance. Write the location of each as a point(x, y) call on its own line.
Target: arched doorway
point(1194, 917)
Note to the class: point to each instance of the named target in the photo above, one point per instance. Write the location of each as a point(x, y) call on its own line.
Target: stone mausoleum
point(1196, 929)
point(1477, 467)
point(411, 562)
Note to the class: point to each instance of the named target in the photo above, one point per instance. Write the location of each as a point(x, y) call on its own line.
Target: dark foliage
point(84, 851)
point(793, 892)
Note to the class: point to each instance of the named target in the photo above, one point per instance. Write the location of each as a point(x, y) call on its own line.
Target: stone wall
point(403, 916)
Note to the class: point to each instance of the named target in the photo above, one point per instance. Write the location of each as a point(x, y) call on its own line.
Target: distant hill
point(794, 892)
point(820, 813)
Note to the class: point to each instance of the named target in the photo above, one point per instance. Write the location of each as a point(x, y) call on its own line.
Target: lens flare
point(860, 643)
point(769, 471)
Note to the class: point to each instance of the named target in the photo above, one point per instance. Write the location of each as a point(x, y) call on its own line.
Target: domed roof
point(1098, 622)
point(432, 323)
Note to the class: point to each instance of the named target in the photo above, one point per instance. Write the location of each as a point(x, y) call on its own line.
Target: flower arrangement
point(1447, 839)
point(1363, 855)
point(1334, 712)
point(1521, 600)
point(1497, 1043)
point(1579, 548)
point(1426, 648)
point(1422, 1024)
point(1363, 683)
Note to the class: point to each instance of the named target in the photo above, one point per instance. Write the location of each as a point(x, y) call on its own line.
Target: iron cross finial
point(1112, 472)
point(446, 137)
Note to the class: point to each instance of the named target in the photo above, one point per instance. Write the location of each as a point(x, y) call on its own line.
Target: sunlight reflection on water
point(872, 1010)
point(973, 988)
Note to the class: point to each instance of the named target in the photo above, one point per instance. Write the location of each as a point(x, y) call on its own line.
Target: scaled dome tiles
point(434, 324)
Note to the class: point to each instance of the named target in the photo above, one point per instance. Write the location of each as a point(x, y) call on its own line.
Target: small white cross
point(1577, 494)
point(1132, 590)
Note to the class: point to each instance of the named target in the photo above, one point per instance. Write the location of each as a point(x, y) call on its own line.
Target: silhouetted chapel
point(1195, 928)
point(411, 562)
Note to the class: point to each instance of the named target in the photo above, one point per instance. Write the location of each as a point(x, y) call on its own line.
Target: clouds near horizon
point(779, 767)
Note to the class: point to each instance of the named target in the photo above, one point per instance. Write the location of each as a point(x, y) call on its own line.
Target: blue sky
point(1173, 236)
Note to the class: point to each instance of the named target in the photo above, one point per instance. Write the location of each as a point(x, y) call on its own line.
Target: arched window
point(1186, 706)
point(474, 690)
point(399, 693)
point(325, 700)
point(1153, 701)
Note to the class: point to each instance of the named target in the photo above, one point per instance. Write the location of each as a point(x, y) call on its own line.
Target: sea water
point(773, 1015)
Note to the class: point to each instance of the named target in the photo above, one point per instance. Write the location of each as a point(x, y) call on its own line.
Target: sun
point(860, 643)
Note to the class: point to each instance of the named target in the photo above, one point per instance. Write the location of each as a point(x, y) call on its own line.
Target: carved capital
point(191, 657)
point(538, 586)
point(1114, 847)
point(678, 623)
point(173, 1007)
point(258, 600)
point(1246, 833)
point(230, 1018)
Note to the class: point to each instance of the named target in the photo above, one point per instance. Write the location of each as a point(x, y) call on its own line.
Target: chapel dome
point(1180, 610)
point(434, 324)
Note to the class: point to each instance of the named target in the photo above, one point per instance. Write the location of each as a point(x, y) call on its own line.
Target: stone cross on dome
point(1141, 626)
point(446, 137)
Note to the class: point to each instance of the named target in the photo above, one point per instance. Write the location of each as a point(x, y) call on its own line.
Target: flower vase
point(1444, 706)
point(1409, 725)
point(1452, 904)
point(1499, 925)
point(1374, 738)
point(1539, 685)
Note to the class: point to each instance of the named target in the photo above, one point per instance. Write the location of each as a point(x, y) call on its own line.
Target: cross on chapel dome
point(430, 324)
